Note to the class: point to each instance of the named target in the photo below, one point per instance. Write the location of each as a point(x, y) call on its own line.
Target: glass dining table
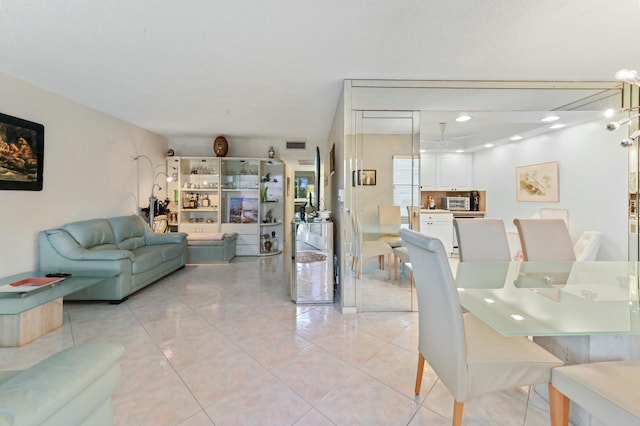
point(552, 298)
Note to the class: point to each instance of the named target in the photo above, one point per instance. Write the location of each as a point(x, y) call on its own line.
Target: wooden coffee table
point(25, 316)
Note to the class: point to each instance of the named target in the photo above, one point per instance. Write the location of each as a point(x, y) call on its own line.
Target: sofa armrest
point(66, 246)
point(66, 388)
point(152, 238)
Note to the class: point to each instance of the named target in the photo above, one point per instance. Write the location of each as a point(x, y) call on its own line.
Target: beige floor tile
point(363, 400)
point(313, 373)
point(262, 401)
point(166, 401)
point(314, 418)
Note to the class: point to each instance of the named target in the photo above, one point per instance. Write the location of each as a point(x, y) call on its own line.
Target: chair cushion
point(496, 362)
point(608, 390)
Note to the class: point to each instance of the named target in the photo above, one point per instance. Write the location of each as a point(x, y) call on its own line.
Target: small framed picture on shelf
point(364, 177)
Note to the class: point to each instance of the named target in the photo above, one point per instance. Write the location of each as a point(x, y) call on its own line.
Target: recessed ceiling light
point(609, 113)
point(459, 150)
point(423, 150)
point(463, 117)
point(488, 145)
point(550, 118)
point(515, 137)
point(557, 126)
point(517, 317)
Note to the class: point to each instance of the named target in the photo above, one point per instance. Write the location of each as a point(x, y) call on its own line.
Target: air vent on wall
point(296, 145)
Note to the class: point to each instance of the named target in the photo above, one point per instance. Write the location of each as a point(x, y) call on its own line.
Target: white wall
point(88, 170)
point(593, 182)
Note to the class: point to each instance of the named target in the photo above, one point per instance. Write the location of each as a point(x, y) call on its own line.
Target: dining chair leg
point(457, 413)
point(419, 373)
point(389, 265)
point(558, 407)
point(395, 266)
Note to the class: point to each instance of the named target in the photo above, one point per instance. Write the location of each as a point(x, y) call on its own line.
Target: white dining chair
point(390, 216)
point(482, 240)
point(469, 357)
point(587, 246)
point(608, 390)
point(544, 239)
point(368, 249)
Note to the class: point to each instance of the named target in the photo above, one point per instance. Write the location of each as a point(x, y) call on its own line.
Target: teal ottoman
point(211, 247)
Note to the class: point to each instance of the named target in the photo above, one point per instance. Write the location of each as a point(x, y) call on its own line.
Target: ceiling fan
point(444, 140)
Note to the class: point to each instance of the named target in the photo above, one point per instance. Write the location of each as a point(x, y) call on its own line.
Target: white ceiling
point(273, 69)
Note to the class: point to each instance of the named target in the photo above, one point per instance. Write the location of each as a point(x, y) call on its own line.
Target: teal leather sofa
point(72, 387)
point(121, 249)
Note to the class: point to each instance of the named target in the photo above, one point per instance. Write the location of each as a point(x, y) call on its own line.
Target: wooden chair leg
point(558, 407)
point(389, 265)
point(457, 413)
point(419, 373)
point(395, 267)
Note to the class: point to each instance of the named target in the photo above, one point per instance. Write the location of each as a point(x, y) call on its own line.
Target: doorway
point(384, 171)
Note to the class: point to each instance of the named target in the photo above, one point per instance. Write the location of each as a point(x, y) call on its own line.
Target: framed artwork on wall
point(538, 182)
point(21, 154)
point(364, 177)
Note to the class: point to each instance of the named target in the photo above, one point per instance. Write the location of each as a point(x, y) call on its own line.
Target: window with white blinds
point(406, 177)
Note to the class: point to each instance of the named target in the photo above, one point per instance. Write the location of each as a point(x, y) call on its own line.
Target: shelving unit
point(242, 195)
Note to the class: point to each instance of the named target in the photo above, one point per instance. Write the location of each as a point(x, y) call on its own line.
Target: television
point(21, 154)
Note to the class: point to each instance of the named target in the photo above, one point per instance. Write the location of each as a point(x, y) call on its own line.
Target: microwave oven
point(456, 203)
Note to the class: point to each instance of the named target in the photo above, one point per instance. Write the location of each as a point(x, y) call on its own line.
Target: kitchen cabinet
point(428, 171)
point(445, 171)
point(438, 225)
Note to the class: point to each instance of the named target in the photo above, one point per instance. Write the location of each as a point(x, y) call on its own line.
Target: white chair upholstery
point(608, 390)
point(368, 249)
point(482, 240)
point(390, 215)
point(544, 239)
point(469, 357)
point(401, 254)
point(587, 246)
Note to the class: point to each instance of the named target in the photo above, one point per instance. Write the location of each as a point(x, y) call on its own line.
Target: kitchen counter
point(456, 213)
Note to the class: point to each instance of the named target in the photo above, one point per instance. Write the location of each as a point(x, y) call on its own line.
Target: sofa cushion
point(91, 233)
point(146, 258)
point(128, 231)
point(169, 251)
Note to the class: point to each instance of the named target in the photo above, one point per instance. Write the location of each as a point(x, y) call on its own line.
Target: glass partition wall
point(506, 107)
point(382, 170)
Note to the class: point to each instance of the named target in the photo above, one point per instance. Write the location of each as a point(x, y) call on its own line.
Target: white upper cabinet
point(445, 172)
point(427, 170)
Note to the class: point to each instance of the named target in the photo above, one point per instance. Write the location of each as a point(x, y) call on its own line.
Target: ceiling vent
point(296, 145)
point(305, 162)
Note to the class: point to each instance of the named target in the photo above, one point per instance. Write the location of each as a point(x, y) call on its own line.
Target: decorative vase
point(220, 146)
point(271, 152)
point(267, 245)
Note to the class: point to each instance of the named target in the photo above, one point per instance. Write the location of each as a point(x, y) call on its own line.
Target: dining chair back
point(365, 249)
point(587, 246)
point(390, 216)
point(544, 239)
point(469, 357)
point(482, 240)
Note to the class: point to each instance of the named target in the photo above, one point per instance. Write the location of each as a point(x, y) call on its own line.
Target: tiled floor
point(223, 345)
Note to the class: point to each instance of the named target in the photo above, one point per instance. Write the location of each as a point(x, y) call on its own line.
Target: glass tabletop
point(12, 303)
point(552, 298)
